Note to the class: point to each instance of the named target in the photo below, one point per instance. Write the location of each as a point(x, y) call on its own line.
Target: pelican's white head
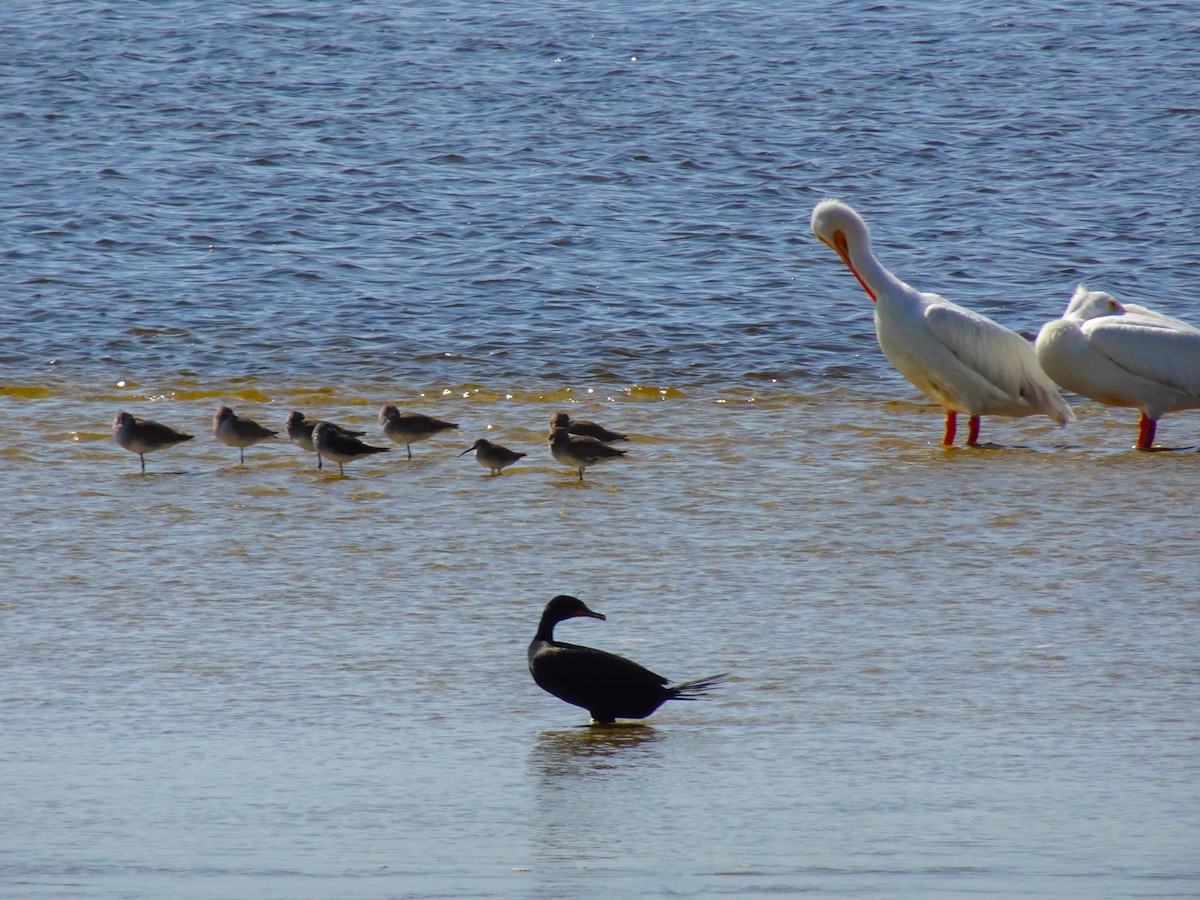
point(829, 217)
point(1087, 304)
point(840, 228)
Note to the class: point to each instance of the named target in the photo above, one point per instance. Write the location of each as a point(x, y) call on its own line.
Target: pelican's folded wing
point(1002, 357)
point(1152, 346)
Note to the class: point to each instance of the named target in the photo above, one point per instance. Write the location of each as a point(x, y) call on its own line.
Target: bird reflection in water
point(596, 750)
point(578, 776)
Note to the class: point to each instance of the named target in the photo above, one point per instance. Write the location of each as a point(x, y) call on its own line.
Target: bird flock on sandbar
point(1117, 354)
point(577, 443)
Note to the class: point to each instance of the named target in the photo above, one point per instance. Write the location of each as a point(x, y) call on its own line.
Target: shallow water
point(953, 672)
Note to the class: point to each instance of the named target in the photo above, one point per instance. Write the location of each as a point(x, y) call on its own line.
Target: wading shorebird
point(579, 451)
point(234, 431)
point(334, 444)
point(408, 427)
point(492, 456)
point(142, 436)
point(300, 429)
point(586, 428)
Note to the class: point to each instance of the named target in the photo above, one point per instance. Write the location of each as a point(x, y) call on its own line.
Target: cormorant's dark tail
point(697, 688)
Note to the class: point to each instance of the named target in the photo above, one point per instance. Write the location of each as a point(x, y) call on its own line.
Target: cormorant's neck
point(545, 630)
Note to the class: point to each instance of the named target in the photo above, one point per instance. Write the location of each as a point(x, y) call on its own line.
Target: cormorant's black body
point(608, 686)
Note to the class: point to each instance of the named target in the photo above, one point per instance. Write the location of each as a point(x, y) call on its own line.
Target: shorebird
point(586, 428)
point(608, 686)
point(1120, 354)
point(142, 436)
point(234, 431)
point(300, 429)
point(580, 451)
point(959, 358)
point(333, 443)
point(492, 456)
point(408, 427)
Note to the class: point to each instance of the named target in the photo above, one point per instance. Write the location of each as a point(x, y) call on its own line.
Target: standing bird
point(234, 431)
point(608, 686)
point(300, 429)
point(580, 451)
point(142, 436)
point(586, 428)
point(408, 427)
point(961, 359)
point(492, 456)
point(1123, 355)
point(333, 443)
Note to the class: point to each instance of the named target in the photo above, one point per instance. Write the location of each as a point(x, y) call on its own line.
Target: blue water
point(967, 672)
point(448, 191)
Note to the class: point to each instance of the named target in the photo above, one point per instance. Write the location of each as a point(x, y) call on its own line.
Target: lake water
point(966, 672)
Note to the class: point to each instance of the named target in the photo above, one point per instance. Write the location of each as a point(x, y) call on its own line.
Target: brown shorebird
point(580, 451)
point(300, 429)
point(586, 428)
point(141, 436)
point(492, 456)
point(408, 427)
point(333, 443)
point(234, 431)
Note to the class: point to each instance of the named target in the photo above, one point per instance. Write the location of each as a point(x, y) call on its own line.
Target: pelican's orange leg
point(951, 429)
point(1146, 429)
point(973, 432)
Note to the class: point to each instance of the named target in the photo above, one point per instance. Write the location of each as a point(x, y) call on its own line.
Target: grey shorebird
point(142, 436)
point(300, 430)
point(580, 451)
point(234, 431)
point(333, 443)
point(586, 428)
point(408, 427)
point(492, 456)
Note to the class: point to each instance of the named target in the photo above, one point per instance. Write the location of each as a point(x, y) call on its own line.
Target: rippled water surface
point(968, 672)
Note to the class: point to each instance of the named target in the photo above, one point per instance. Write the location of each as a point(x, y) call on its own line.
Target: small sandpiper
point(300, 429)
point(141, 436)
point(492, 456)
point(234, 431)
point(408, 427)
point(333, 443)
point(586, 428)
point(580, 451)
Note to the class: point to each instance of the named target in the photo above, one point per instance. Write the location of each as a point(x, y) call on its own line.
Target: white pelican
point(1123, 355)
point(966, 362)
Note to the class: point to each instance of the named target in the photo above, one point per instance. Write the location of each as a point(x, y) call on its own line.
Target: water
point(967, 672)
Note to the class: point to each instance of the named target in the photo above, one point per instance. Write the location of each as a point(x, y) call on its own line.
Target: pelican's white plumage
point(1123, 355)
point(963, 360)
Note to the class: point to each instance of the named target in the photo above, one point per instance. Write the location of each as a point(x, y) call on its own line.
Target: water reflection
point(580, 817)
point(595, 750)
